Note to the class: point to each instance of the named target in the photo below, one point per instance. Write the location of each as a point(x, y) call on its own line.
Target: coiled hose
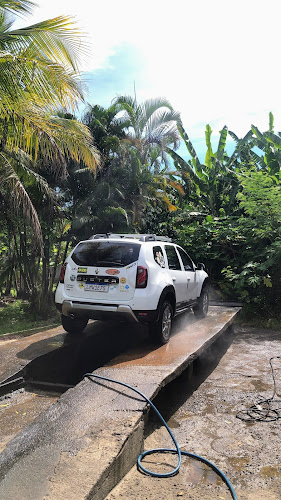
point(177, 451)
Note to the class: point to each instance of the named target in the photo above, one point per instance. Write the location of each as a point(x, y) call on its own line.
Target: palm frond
point(151, 108)
point(23, 163)
point(53, 138)
point(55, 39)
point(37, 80)
point(17, 6)
point(13, 191)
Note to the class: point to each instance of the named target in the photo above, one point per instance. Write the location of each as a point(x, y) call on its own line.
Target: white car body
point(106, 289)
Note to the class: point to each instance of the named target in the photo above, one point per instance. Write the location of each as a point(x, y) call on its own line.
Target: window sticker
point(123, 280)
point(121, 288)
point(72, 277)
point(82, 269)
point(69, 286)
point(159, 258)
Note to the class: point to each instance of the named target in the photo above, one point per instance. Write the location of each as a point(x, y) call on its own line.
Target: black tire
point(73, 325)
point(201, 310)
point(160, 331)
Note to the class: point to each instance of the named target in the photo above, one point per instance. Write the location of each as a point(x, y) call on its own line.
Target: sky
point(217, 62)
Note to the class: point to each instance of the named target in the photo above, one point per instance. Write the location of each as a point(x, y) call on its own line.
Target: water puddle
point(238, 463)
point(197, 472)
point(269, 471)
point(260, 386)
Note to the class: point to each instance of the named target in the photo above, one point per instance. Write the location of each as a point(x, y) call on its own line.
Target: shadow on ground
point(83, 353)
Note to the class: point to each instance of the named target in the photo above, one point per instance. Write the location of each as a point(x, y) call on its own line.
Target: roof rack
point(140, 237)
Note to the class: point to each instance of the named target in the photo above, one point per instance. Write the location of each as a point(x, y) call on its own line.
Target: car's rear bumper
point(105, 312)
point(98, 311)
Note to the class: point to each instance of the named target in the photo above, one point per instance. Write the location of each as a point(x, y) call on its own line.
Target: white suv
point(141, 278)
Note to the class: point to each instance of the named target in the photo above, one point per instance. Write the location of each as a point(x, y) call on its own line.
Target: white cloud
point(216, 61)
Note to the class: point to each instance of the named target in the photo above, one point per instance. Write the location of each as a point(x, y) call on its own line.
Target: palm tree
point(149, 124)
point(38, 74)
point(107, 131)
point(150, 127)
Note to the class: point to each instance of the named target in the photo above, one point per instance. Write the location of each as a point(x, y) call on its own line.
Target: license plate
point(95, 288)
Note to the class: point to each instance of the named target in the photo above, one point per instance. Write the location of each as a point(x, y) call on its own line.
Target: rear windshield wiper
point(108, 263)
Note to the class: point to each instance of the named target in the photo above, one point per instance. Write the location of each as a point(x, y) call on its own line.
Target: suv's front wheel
point(160, 331)
point(73, 325)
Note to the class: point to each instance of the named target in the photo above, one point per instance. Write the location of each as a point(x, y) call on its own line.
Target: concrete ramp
point(81, 446)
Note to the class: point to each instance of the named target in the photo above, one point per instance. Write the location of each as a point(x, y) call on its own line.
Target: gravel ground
point(201, 408)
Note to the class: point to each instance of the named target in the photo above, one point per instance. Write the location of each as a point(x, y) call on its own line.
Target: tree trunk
point(45, 267)
point(10, 277)
point(53, 275)
point(23, 279)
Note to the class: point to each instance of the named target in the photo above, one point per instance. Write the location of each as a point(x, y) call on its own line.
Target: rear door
point(103, 271)
point(190, 273)
point(178, 276)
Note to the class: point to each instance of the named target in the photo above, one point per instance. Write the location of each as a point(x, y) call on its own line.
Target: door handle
point(188, 279)
point(174, 279)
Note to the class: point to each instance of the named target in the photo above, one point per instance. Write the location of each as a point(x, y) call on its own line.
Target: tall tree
point(149, 124)
point(150, 127)
point(38, 74)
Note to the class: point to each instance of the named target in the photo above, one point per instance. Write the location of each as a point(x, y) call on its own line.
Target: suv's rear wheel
point(73, 325)
point(160, 331)
point(201, 310)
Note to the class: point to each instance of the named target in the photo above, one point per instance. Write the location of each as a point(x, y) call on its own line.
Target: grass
point(16, 317)
point(253, 318)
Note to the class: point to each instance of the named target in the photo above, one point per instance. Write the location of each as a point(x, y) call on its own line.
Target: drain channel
point(12, 383)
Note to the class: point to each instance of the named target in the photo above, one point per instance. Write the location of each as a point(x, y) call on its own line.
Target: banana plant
point(270, 144)
point(214, 182)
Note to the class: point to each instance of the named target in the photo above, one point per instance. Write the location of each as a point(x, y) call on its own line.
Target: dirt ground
point(201, 407)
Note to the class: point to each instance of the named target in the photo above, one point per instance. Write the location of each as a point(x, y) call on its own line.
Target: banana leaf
point(222, 142)
point(209, 152)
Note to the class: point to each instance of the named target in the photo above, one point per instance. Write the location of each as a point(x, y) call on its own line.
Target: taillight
point(141, 277)
point(62, 272)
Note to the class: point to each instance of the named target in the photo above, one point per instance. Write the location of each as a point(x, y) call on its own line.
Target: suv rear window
point(106, 253)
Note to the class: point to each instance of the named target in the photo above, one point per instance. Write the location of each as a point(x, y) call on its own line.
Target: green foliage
point(16, 316)
point(242, 253)
point(214, 183)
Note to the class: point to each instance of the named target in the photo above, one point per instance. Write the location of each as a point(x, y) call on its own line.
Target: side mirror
point(201, 266)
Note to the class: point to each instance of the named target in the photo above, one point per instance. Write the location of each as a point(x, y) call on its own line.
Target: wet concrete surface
point(81, 445)
point(56, 356)
point(51, 360)
point(180, 343)
point(201, 407)
point(19, 409)
point(16, 353)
